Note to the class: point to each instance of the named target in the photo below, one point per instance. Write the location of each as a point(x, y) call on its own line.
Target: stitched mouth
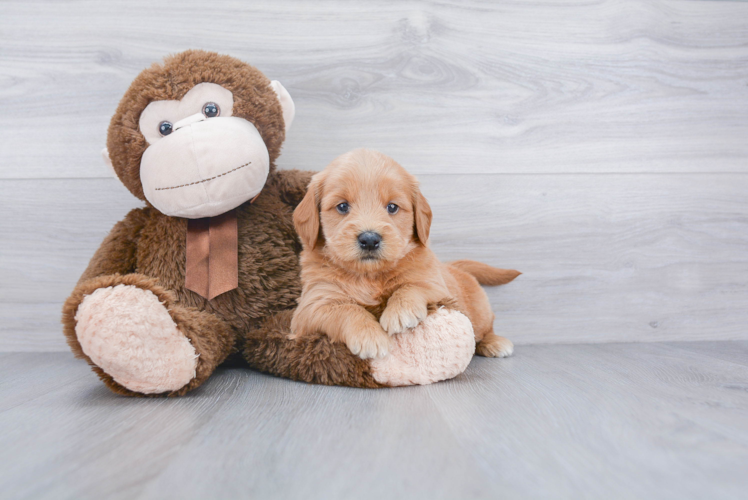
point(204, 180)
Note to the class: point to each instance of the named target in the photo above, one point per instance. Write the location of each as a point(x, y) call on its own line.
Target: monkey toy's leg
point(138, 340)
point(132, 331)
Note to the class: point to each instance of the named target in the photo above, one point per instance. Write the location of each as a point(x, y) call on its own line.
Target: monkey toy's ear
point(108, 162)
point(289, 109)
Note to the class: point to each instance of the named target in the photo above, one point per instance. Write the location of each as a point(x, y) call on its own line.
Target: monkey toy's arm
point(116, 254)
point(132, 331)
point(292, 185)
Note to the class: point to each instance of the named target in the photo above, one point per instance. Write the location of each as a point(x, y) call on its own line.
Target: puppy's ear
point(306, 215)
point(422, 216)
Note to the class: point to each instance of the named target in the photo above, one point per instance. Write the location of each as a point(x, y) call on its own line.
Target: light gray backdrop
point(601, 147)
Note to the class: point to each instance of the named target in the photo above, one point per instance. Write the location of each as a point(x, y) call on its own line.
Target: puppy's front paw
point(400, 315)
point(370, 342)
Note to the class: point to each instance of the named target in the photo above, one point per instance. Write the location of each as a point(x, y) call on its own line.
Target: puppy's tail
point(485, 274)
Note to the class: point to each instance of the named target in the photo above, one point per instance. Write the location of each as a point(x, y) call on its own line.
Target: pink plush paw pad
point(130, 335)
point(439, 348)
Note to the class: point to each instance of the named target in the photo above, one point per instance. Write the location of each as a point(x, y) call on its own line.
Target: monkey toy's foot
point(130, 335)
point(439, 348)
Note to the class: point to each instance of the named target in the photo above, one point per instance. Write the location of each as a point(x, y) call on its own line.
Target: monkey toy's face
point(205, 150)
point(201, 161)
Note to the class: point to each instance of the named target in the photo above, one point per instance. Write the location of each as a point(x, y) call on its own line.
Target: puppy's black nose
point(369, 240)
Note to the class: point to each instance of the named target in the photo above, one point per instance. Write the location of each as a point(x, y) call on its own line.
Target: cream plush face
point(201, 161)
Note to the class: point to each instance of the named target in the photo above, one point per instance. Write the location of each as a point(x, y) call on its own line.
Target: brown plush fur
point(147, 248)
point(315, 358)
point(362, 297)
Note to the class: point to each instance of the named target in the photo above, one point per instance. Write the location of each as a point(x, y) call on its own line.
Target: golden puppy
point(367, 272)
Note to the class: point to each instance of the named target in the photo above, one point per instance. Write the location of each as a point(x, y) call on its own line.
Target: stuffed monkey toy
point(209, 269)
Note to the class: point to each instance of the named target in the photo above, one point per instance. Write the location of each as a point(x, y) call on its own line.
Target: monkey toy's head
point(198, 135)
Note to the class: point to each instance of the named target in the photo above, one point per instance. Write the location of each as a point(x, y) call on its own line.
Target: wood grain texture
point(473, 87)
point(605, 258)
point(541, 130)
point(613, 421)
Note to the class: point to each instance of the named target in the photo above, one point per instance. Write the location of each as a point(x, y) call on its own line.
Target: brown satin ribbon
point(212, 266)
point(212, 255)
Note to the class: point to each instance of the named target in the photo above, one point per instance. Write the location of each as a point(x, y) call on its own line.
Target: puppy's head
point(364, 211)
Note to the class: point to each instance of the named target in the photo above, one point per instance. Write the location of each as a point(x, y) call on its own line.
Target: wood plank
point(121, 443)
point(469, 87)
point(320, 441)
point(605, 257)
point(737, 354)
point(572, 421)
point(605, 421)
point(21, 383)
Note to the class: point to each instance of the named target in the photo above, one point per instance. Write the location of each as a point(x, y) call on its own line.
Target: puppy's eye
point(392, 208)
point(165, 128)
point(211, 110)
point(343, 208)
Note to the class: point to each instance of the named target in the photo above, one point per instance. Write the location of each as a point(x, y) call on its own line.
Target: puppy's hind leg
point(493, 346)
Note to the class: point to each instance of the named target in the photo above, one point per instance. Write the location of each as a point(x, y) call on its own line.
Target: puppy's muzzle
point(369, 241)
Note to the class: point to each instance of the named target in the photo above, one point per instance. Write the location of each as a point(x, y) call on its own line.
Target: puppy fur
point(362, 297)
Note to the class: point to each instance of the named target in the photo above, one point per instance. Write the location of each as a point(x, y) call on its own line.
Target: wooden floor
point(652, 420)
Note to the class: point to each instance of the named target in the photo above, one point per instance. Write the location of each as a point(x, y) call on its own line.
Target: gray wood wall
point(601, 147)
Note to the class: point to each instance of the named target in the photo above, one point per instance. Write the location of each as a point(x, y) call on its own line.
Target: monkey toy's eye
point(211, 110)
point(165, 128)
point(343, 208)
point(392, 208)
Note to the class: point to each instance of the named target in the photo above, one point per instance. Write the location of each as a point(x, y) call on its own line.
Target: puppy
point(367, 272)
